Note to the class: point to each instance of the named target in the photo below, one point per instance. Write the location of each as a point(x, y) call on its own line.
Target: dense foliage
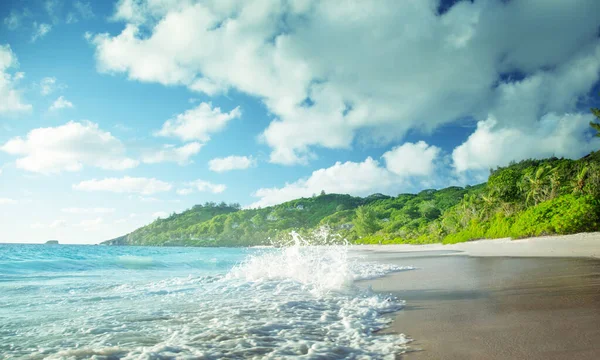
point(529, 198)
point(596, 125)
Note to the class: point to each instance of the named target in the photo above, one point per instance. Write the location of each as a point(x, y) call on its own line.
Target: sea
point(104, 302)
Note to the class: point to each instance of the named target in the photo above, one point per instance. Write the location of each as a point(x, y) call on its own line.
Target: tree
point(594, 125)
point(578, 182)
point(365, 222)
point(535, 185)
point(322, 192)
point(429, 211)
point(503, 185)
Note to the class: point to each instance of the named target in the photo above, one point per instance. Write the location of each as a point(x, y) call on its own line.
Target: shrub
point(474, 231)
point(573, 215)
point(499, 226)
point(503, 184)
point(566, 214)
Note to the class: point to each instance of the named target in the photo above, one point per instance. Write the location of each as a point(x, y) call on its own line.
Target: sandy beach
point(536, 298)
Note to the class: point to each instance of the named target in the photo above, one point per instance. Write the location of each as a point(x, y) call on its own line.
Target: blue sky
point(114, 113)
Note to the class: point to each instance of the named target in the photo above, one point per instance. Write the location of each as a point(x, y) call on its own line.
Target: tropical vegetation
point(528, 198)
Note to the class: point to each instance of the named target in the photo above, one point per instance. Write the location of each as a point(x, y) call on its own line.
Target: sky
point(115, 113)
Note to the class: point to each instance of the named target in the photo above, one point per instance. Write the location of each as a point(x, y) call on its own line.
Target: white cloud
point(397, 66)
point(412, 159)
point(231, 163)
point(535, 117)
point(61, 103)
point(362, 178)
point(48, 85)
point(40, 30)
point(11, 97)
point(13, 20)
point(81, 10)
point(139, 185)
point(402, 173)
point(7, 201)
point(75, 210)
point(555, 135)
point(201, 186)
point(68, 147)
point(171, 153)
point(147, 199)
point(198, 123)
point(51, 7)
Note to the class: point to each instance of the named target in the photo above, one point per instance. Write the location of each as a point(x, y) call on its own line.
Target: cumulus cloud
point(328, 81)
point(412, 159)
point(198, 123)
point(61, 103)
point(555, 135)
point(139, 185)
point(231, 163)
point(535, 117)
point(11, 97)
point(405, 165)
point(201, 186)
point(171, 153)
point(68, 147)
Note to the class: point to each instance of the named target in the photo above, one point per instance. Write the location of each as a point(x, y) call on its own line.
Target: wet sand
point(465, 307)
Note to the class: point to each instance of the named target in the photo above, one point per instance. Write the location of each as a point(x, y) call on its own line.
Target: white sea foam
point(277, 303)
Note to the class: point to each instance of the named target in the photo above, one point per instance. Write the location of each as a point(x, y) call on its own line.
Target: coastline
point(536, 298)
point(575, 245)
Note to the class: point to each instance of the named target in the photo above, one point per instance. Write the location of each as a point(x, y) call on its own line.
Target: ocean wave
point(274, 304)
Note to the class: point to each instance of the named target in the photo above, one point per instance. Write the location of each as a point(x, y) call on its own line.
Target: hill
point(528, 198)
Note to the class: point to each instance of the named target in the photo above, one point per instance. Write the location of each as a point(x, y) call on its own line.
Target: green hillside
point(529, 198)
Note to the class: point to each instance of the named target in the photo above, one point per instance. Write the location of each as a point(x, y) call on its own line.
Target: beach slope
point(536, 298)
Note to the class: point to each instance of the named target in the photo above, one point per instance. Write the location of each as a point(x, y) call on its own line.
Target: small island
point(52, 242)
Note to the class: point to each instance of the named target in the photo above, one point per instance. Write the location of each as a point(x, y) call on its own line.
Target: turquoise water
point(81, 302)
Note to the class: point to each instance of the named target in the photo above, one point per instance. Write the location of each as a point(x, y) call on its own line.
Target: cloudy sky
point(115, 113)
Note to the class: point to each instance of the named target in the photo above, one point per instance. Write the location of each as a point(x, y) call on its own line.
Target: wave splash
point(320, 267)
point(298, 300)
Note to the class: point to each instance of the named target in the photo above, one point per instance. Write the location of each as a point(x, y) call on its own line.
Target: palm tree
point(554, 183)
point(489, 204)
point(534, 184)
point(578, 182)
point(594, 125)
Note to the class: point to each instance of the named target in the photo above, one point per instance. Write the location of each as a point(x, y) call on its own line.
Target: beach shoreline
point(575, 245)
point(536, 298)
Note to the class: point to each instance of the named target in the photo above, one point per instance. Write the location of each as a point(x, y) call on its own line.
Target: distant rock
point(52, 242)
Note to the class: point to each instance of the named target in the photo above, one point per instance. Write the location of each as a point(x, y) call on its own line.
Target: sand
point(497, 299)
point(577, 245)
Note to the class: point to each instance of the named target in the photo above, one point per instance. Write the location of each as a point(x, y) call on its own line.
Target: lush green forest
point(528, 198)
